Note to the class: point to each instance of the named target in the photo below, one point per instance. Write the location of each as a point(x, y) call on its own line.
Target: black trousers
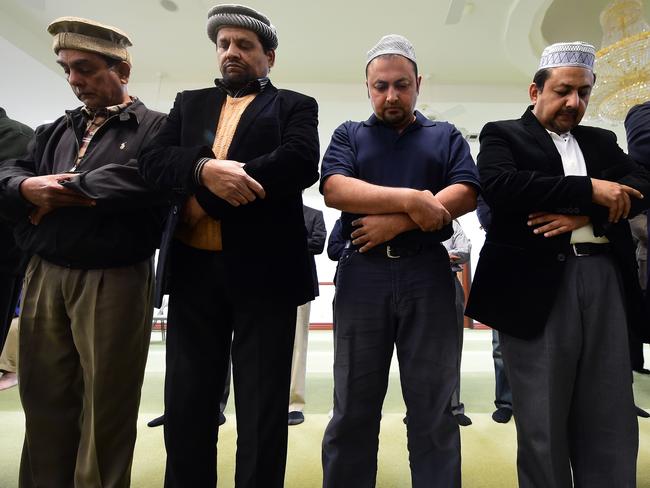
point(9, 293)
point(381, 303)
point(203, 320)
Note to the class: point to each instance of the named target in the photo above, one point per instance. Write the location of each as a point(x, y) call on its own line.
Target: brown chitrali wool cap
point(89, 35)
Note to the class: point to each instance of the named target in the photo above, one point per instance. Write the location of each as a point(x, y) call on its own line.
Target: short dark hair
point(415, 66)
point(266, 44)
point(540, 78)
point(543, 74)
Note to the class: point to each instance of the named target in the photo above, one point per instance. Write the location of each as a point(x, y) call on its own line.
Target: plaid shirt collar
point(253, 86)
point(105, 112)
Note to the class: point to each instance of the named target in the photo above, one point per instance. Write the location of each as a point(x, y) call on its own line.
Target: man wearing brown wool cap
point(92, 225)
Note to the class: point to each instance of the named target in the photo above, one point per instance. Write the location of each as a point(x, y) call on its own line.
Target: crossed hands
point(228, 180)
point(616, 197)
point(423, 211)
point(47, 193)
point(551, 224)
point(426, 211)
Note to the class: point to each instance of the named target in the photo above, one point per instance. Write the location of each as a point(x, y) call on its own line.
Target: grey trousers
point(84, 337)
point(572, 386)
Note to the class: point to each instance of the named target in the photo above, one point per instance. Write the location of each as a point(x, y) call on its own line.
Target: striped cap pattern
point(241, 16)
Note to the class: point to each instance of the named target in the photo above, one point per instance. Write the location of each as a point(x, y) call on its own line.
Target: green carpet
point(488, 449)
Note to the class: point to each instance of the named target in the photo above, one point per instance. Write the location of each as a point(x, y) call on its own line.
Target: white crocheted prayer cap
point(575, 53)
point(392, 44)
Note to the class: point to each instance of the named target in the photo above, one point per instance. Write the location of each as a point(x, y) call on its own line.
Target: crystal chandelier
point(623, 62)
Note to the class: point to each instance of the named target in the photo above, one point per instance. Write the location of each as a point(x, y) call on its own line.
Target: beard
point(395, 116)
point(238, 77)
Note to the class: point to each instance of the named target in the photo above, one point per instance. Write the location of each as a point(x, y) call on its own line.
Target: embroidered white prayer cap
point(574, 53)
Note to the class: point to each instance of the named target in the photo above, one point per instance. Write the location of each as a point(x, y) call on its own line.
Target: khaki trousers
point(9, 356)
point(299, 360)
point(84, 337)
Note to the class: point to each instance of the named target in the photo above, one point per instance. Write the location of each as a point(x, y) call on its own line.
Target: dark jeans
point(382, 303)
point(203, 319)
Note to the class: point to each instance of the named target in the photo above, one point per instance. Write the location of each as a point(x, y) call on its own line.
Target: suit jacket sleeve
point(510, 186)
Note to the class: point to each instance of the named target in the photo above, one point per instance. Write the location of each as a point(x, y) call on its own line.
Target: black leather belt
point(582, 249)
point(396, 252)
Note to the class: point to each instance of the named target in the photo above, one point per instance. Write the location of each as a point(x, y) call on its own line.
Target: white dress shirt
point(574, 165)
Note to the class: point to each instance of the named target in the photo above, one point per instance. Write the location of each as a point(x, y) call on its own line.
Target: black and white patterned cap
point(392, 44)
point(575, 53)
point(241, 16)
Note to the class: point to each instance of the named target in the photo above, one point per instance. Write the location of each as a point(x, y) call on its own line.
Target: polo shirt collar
point(420, 120)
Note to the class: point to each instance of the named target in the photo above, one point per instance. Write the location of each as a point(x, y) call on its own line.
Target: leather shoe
point(642, 370)
point(463, 420)
point(158, 421)
point(296, 418)
point(502, 415)
point(641, 413)
point(222, 418)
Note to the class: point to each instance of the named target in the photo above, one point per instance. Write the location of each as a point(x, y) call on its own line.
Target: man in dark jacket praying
point(92, 226)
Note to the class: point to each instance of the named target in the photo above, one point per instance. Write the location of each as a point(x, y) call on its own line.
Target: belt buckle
point(389, 253)
point(576, 253)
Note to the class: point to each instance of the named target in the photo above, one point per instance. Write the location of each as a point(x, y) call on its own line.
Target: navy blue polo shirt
point(427, 155)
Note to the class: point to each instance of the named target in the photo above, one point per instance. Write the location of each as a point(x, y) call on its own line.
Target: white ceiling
point(493, 42)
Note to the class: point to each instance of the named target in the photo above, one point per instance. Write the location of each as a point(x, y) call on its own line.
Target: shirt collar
point(420, 120)
point(565, 136)
point(253, 86)
point(91, 113)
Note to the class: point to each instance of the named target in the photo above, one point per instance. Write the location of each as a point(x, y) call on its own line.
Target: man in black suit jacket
point(234, 257)
point(560, 195)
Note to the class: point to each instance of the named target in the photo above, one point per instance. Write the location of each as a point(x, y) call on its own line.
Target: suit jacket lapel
point(537, 130)
point(250, 115)
point(207, 117)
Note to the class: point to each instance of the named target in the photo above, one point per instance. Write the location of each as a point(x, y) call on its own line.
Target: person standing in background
point(459, 248)
point(637, 128)
point(316, 234)
point(14, 137)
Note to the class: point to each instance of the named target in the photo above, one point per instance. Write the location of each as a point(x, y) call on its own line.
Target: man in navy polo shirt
point(399, 178)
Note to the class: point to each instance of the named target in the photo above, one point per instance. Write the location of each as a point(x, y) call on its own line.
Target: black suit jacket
point(521, 172)
point(316, 234)
point(264, 242)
